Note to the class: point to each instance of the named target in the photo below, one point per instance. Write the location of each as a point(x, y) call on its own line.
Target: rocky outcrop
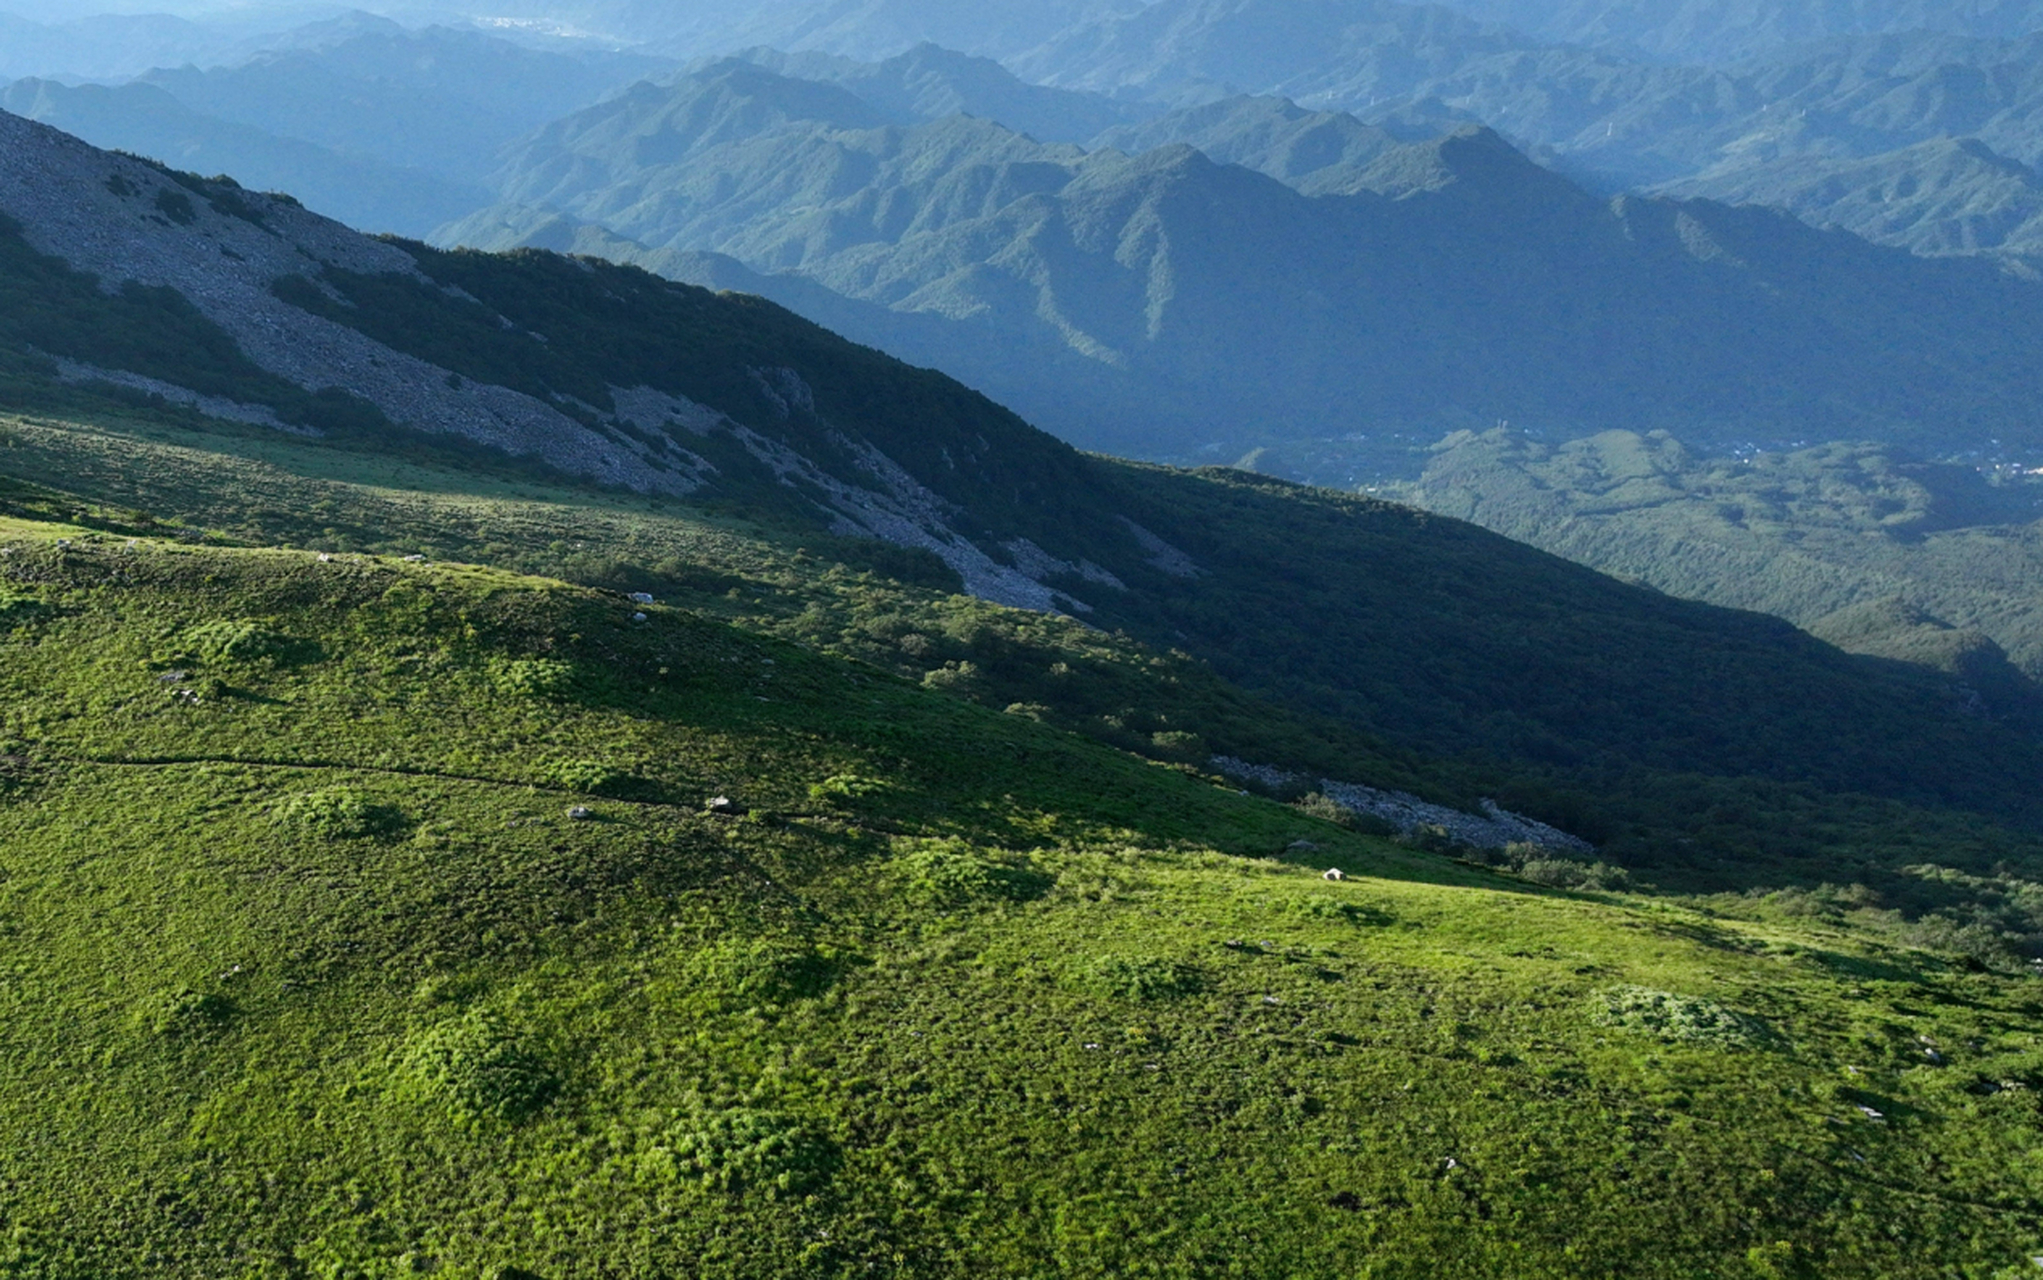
point(1494, 828)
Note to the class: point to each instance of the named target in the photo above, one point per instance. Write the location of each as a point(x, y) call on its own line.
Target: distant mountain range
point(144, 118)
point(1429, 633)
point(1158, 303)
point(384, 128)
point(105, 45)
point(1904, 123)
point(1714, 32)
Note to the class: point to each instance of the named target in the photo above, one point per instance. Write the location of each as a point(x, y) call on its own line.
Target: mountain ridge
point(679, 392)
point(1109, 269)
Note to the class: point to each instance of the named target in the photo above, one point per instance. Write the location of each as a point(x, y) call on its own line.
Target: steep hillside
point(1097, 292)
point(381, 925)
point(1431, 636)
point(371, 906)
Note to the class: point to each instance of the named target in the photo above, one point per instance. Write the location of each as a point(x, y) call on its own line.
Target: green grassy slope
point(310, 972)
point(1957, 883)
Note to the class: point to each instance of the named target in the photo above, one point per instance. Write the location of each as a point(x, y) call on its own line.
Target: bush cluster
point(739, 1149)
point(1146, 978)
point(949, 873)
point(337, 813)
point(1680, 1019)
point(483, 1069)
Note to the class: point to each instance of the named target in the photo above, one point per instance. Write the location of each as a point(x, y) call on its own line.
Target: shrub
point(235, 642)
point(1177, 745)
point(739, 1149)
point(949, 873)
point(189, 1012)
point(15, 608)
point(176, 206)
point(338, 813)
point(960, 679)
point(1562, 873)
point(1146, 978)
point(766, 969)
point(591, 776)
point(483, 1069)
point(531, 677)
point(1319, 805)
point(1680, 1019)
point(847, 786)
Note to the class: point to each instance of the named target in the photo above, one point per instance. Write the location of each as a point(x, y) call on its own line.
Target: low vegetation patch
point(1681, 1019)
point(732, 1150)
point(190, 1012)
point(770, 970)
point(483, 1069)
point(338, 813)
point(237, 641)
point(1145, 978)
point(531, 677)
point(950, 873)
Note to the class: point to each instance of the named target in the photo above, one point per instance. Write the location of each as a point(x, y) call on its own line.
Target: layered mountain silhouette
point(1826, 110)
point(1430, 631)
point(146, 119)
point(385, 128)
point(1825, 96)
point(1162, 302)
point(1712, 32)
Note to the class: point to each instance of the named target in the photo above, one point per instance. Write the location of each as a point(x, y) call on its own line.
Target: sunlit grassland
point(310, 971)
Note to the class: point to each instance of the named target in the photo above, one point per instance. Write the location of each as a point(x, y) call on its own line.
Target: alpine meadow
point(1279, 639)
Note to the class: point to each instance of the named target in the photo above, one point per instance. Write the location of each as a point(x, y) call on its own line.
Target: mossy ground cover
point(309, 971)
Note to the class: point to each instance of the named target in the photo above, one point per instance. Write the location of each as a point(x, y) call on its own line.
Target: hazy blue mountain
point(104, 46)
point(384, 128)
point(1321, 52)
point(930, 82)
point(1789, 128)
point(1728, 31)
point(145, 120)
point(868, 29)
point(1943, 196)
point(1161, 302)
point(438, 99)
point(1317, 152)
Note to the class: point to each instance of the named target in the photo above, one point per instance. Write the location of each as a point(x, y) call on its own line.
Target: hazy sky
point(264, 11)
